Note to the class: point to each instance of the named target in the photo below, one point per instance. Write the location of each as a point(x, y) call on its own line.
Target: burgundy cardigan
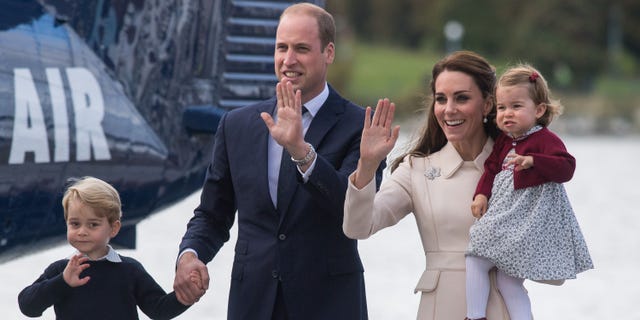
point(552, 162)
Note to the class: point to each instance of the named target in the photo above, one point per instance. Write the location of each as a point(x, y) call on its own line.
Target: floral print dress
point(530, 233)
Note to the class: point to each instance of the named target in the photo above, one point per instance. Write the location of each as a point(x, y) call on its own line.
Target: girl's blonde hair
point(538, 89)
point(97, 194)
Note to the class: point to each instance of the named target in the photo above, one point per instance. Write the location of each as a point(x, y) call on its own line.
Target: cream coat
point(438, 190)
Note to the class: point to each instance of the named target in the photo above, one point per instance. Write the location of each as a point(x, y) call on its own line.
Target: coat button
point(282, 236)
point(274, 274)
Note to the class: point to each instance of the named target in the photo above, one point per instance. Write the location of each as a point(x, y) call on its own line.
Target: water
point(602, 193)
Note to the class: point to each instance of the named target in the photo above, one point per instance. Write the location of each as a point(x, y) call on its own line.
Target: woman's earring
point(484, 120)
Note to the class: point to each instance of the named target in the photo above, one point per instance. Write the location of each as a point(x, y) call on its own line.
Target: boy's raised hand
point(75, 266)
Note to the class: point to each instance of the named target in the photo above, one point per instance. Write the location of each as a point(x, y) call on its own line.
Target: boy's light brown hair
point(97, 194)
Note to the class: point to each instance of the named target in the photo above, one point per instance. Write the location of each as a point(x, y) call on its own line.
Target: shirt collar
point(111, 255)
point(314, 104)
point(529, 132)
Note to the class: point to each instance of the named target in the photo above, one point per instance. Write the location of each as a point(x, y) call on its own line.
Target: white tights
point(512, 290)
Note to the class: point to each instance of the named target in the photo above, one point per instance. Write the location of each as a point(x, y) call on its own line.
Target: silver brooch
point(432, 173)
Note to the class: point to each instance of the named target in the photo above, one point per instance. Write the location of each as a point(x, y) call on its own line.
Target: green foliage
point(387, 72)
point(572, 37)
point(589, 51)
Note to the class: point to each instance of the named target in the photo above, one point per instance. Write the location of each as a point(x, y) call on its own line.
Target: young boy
point(96, 282)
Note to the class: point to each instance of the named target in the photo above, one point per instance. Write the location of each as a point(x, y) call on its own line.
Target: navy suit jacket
point(300, 244)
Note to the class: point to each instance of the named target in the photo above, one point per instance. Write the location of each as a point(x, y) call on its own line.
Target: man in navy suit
point(292, 260)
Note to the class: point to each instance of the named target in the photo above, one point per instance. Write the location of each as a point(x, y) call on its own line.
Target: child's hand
point(479, 206)
point(194, 277)
point(75, 266)
point(520, 162)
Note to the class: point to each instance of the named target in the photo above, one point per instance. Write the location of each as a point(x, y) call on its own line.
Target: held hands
point(520, 162)
point(75, 266)
point(287, 131)
point(191, 280)
point(479, 206)
point(378, 139)
point(195, 278)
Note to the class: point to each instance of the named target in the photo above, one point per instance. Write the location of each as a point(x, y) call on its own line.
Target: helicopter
point(128, 91)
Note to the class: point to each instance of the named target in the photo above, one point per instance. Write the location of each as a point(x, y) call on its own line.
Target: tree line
point(573, 41)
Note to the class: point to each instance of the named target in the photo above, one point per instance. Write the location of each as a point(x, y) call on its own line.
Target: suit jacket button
point(274, 274)
point(282, 236)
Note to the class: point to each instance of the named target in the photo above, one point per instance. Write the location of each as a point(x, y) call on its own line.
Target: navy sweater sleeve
point(47, 290)
point(150, 297)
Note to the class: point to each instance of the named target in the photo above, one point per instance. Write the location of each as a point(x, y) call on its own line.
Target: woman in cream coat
point(435, 180)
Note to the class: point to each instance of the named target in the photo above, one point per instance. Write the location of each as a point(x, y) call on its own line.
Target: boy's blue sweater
point(114, 291)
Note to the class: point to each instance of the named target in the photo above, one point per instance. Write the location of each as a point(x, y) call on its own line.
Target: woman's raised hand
point(378, 139)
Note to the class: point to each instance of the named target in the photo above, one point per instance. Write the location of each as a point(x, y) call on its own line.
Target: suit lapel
point(325, 119)
point(258, 132)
